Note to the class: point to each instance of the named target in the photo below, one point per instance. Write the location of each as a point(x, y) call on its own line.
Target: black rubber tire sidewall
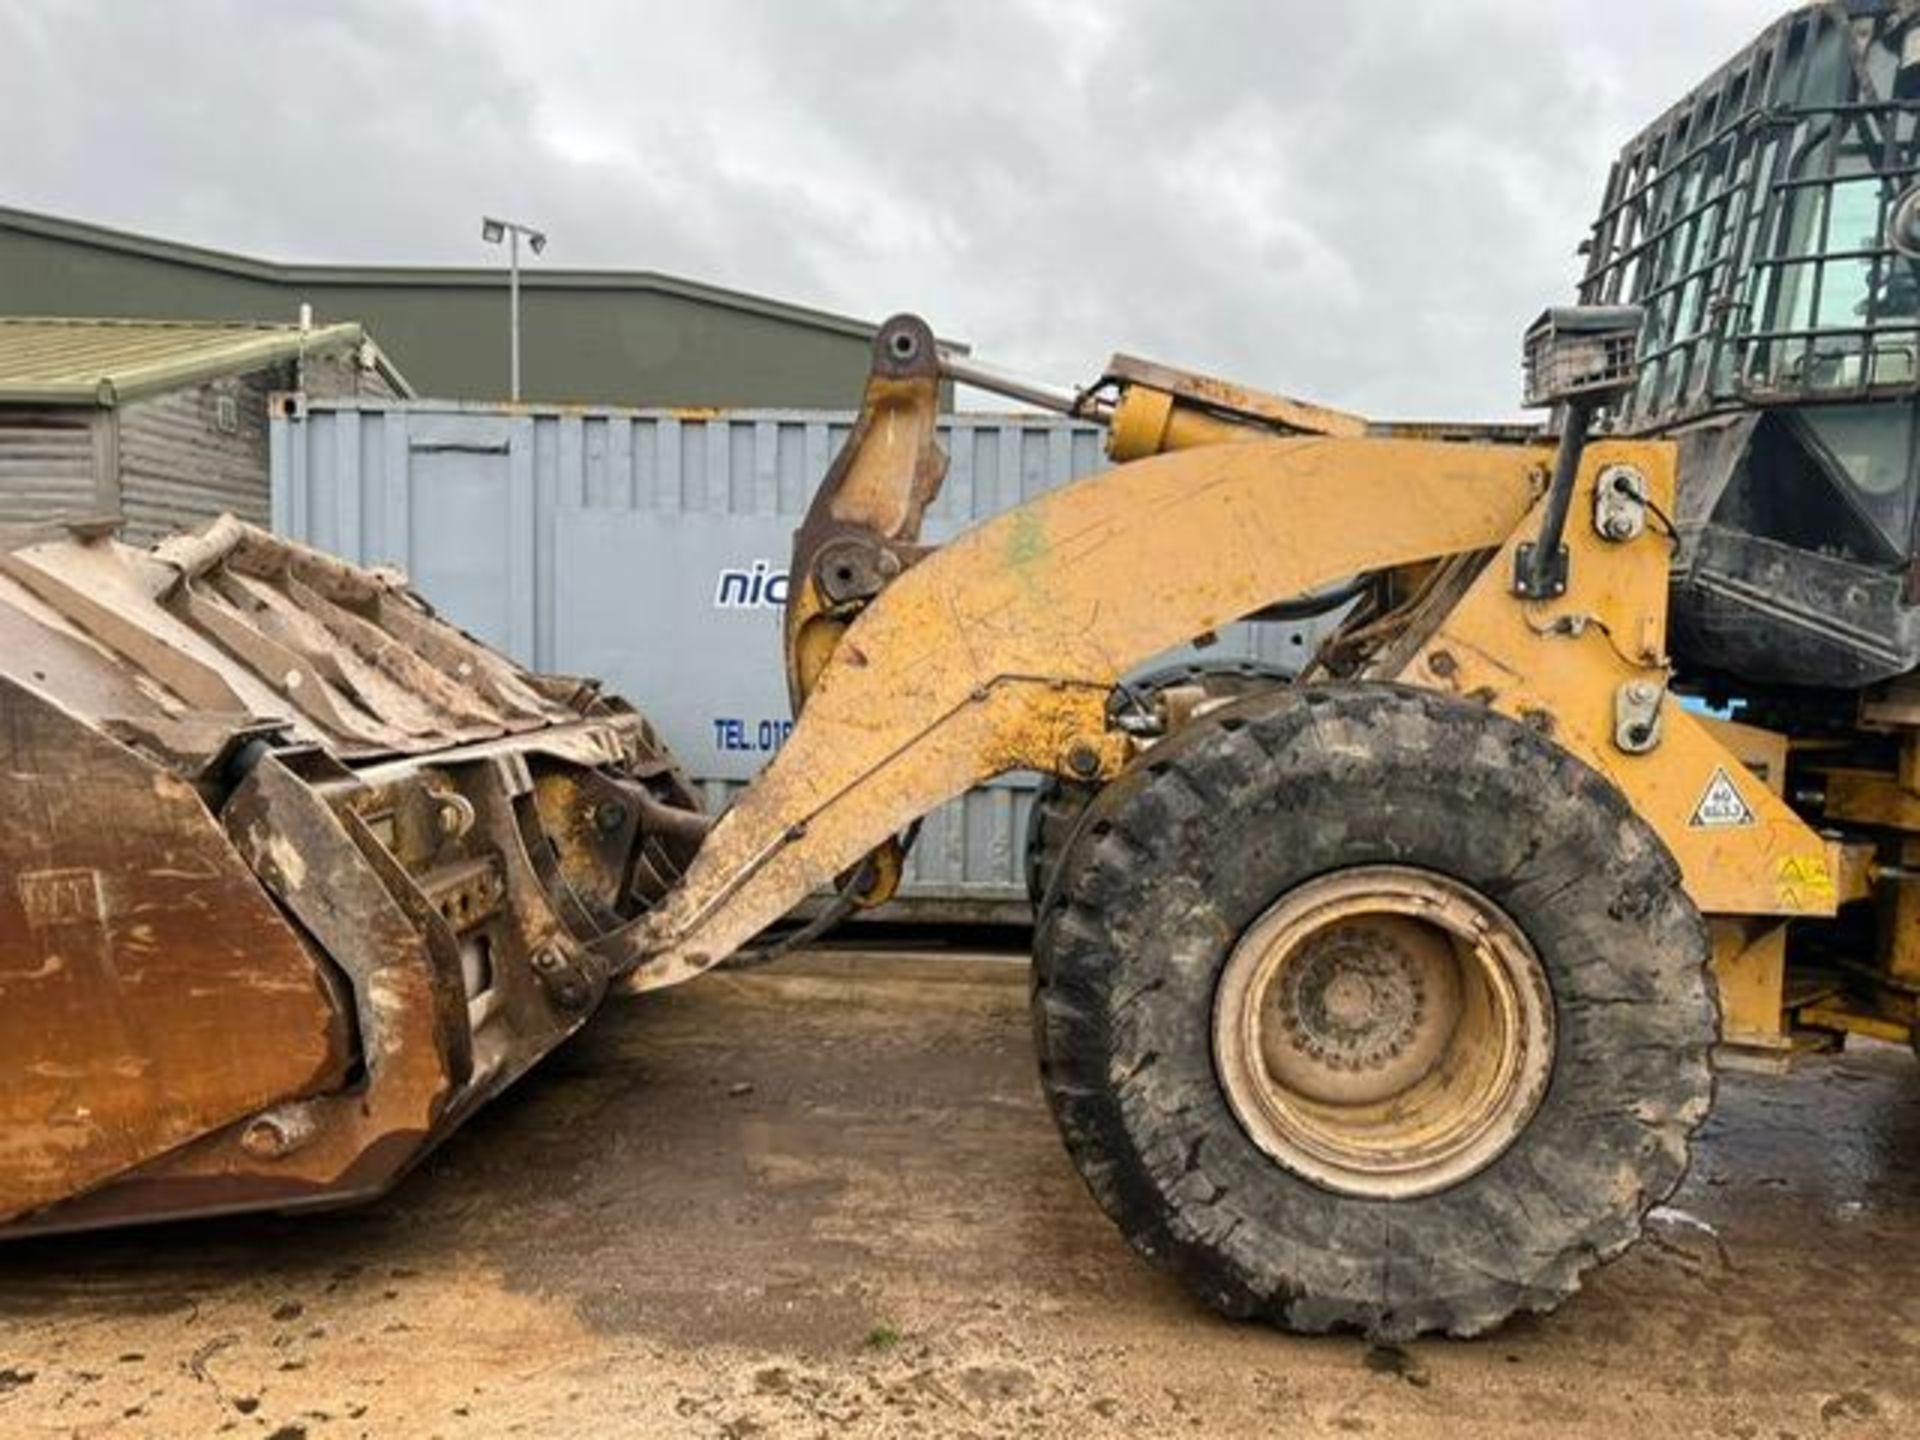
point(1174, 860)
point(1057, 807)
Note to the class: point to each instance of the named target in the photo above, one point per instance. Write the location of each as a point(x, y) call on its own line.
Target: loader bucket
point(294, 875)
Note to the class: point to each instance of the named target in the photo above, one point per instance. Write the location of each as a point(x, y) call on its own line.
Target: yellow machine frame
point(923, 673)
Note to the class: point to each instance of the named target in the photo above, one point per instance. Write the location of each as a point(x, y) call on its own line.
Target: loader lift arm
point(917, 674)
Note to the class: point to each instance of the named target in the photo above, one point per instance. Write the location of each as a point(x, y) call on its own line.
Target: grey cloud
point(1361, 202)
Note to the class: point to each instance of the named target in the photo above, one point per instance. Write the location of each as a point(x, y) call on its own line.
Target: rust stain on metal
point(300, 874)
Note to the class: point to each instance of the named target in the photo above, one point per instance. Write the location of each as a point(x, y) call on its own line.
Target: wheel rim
point(1383, 1031)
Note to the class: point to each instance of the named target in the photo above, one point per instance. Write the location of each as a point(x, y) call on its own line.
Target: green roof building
point(597, 337)
point(159, 425)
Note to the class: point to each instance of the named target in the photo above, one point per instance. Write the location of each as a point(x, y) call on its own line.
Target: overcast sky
point(1361, 202)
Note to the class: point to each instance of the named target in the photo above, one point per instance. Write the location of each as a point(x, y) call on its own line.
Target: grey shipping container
point(649, 548)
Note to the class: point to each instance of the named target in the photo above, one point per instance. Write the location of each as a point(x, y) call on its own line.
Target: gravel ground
point(826, 1199)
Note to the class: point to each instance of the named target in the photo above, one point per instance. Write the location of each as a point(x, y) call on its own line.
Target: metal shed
point(649, 549)
point(161, 424)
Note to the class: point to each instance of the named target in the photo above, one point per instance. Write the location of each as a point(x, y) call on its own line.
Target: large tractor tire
point(1361, 1007)
point(1059, 803)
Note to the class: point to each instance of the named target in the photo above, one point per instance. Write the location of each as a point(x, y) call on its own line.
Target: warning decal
point(1721, 805)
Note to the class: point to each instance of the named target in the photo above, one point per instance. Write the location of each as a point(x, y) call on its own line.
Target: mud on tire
point(1058, 804)
point(1173, 862)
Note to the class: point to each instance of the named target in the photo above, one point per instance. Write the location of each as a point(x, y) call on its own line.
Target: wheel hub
point(1383, 1031)
point(1363, 1009)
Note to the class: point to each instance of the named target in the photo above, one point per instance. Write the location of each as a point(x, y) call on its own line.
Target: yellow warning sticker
point(1805, 882)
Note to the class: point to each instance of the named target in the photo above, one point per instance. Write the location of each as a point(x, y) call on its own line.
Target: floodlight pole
point(494, 230)
point(513, 302)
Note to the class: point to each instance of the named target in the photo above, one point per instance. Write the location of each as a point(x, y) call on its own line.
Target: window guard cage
point(1751, 222)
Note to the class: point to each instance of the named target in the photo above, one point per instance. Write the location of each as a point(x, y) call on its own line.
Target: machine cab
point(1768, 225)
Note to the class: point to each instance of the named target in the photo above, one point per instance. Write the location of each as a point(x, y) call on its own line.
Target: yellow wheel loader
point(1383, 997)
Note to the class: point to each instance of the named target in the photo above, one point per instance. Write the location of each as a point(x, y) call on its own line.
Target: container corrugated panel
point(649, 548)
point(46, 463)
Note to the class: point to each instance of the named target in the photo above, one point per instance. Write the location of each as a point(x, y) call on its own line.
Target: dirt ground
point(831, 1203)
